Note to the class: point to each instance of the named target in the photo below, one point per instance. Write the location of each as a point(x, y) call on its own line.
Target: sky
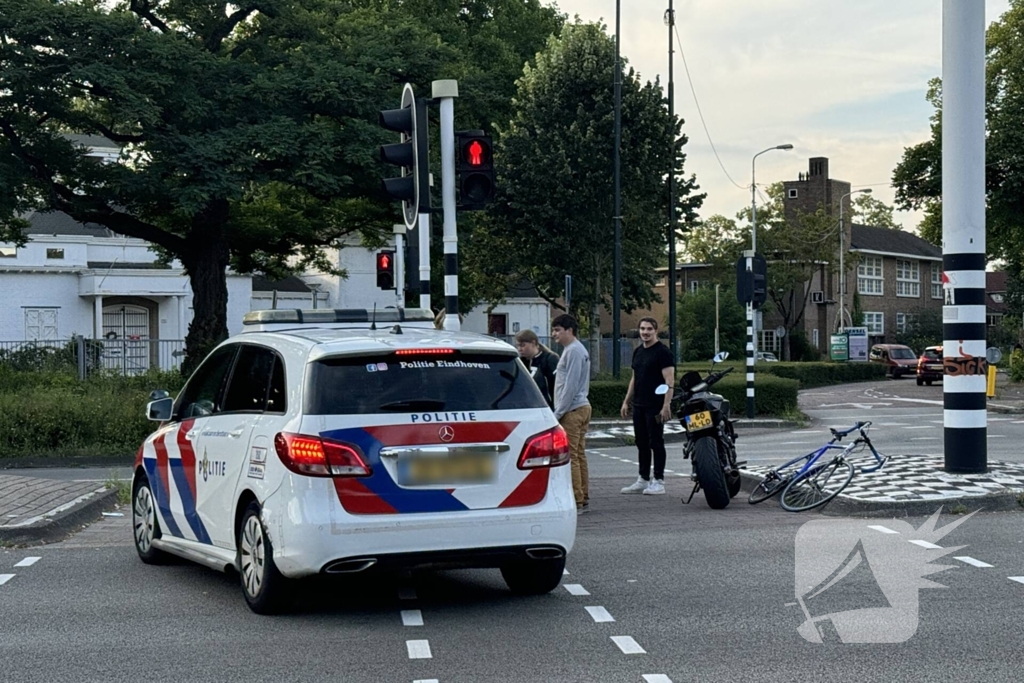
point(843, 80)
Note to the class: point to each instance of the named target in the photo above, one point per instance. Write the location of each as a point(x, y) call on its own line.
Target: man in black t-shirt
point(653, 365)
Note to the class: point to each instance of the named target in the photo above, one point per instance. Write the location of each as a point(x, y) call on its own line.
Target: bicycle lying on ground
point(807, 483)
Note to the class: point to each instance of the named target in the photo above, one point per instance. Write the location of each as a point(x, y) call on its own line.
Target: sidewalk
point(41, 510)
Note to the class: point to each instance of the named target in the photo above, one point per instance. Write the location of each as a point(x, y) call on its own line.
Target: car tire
point(921, 381)
point(145, 525)
point(928, 382)
point(533, 577)
point(264, 587)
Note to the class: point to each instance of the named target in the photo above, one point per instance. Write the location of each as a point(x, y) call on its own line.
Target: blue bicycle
point(807, 482)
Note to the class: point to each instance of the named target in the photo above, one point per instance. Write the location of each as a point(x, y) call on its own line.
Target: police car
point(339, 442)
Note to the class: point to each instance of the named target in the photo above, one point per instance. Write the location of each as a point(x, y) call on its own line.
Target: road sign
point(839, 347)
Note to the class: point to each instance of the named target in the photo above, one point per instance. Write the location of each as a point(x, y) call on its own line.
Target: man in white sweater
point(572, 407)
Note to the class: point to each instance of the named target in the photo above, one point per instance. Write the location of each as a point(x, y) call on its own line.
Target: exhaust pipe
point(350, 566)
point(544, 553)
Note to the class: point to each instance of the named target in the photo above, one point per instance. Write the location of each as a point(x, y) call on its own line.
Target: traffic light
point(406, 155)
point(752, 286)
point(386, 269)
point(475, 156)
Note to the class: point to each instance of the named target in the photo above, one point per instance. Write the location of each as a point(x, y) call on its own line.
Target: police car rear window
point(415, 383)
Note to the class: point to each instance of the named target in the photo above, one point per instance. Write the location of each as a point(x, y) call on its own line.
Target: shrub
point(1017, 366)
point(772, 396)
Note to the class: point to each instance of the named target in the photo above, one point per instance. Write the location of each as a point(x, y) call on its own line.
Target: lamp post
point(751, 333)
point(842, 270)
point(673, 333)
point(616, 285)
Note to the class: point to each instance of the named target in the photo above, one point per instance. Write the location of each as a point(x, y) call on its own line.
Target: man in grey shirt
point(572, 407)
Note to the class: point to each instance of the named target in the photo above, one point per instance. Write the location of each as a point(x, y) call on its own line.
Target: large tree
point(874, 212)
point(554, 212)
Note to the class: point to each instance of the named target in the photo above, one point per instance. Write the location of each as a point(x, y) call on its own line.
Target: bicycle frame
point(814, 456)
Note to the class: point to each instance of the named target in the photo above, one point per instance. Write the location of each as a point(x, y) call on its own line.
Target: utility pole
point(446, 91)
point(617, 278)
point(673, 331)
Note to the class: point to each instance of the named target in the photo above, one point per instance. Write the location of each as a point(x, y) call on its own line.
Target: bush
point(772, 395)
point(1017, 366)
point(809, 375)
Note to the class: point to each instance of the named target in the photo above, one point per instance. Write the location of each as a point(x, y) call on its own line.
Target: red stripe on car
point(188, 456)
point(530, 491)
point(162, 464)
point(359, 500)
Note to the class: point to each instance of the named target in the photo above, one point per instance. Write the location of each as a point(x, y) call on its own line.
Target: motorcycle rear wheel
point(710, 473)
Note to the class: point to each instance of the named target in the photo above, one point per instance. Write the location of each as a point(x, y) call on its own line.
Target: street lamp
point(751, 331)
point(842, 270)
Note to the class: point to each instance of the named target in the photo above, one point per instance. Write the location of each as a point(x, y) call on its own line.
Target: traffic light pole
point(400, 264)
point(424, 265)
point(750, 339)
point(446, 91)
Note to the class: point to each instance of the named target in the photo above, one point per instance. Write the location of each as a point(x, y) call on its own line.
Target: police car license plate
point(697, 421)
point(453, 469)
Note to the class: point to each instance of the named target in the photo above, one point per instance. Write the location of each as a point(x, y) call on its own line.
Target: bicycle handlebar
point(839, 434)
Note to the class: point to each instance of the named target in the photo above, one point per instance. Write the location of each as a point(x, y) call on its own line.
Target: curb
point(59, 523)
point(1003, 501)
point(67, 461)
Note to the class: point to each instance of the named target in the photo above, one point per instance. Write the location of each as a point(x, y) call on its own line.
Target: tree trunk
point(206, 265)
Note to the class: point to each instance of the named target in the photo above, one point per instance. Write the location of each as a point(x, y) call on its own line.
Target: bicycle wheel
point(768, 487)
point(817, 487)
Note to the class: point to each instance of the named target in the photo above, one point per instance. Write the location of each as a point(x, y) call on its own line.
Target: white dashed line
point(972, 561)
point(412, 617)
point(1018, 579)
point(921, 427)
point(4, 578)
point(997, 436)
point(575, 589)
point(418, 649)
point(565, 572)
point(426, 680)
point(926, 544)
point(657, 678)
point(628, 645)
point(600, 614)
point(630, 580)
point(407, 594)
point(883, 529)
point(28, 562)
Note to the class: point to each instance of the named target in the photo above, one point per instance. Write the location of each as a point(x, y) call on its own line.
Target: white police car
point(312, 443)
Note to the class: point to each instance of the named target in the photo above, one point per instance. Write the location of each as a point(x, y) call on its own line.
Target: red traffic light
point(383, 261)
point(476, 153)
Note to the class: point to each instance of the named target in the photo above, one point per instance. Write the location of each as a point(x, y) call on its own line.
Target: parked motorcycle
point(710, 437)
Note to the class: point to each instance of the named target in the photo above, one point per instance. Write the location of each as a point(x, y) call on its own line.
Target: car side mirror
point(160, 409)
point(661, 390)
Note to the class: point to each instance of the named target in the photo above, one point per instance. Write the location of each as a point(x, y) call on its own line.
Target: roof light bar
point(320, 316)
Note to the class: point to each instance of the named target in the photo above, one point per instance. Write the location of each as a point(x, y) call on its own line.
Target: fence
point(83, 357)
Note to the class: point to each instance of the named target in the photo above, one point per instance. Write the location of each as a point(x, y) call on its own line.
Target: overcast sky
point(843, 80)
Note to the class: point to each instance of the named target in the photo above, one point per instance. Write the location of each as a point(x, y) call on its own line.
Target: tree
point(874, 212)
point(696, 316)
point(921, 330)
point(553, 213)
point(918, 176)
point(717, 242)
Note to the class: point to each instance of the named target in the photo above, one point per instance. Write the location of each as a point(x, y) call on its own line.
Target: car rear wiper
point(414, 404)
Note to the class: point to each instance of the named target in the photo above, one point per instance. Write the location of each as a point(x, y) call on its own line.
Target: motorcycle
point(710, 437)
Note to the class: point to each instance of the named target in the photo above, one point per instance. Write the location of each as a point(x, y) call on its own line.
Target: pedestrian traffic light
point(386, 269)
point(475, 157)
point(405, 155)
point(752, 285)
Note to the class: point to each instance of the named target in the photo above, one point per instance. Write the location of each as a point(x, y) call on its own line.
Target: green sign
point(839, 349)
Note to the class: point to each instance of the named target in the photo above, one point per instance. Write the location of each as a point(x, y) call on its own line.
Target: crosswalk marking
point(628, 645)
point(972, 561)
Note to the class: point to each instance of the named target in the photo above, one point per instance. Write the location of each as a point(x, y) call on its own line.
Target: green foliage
point(774, 395)
point(696, 313)
point(552, 216)
point(923, 329)
point(873, 212)
point(825, 373)
point(1017, 366)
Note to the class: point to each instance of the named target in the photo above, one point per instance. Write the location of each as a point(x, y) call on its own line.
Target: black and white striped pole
point(446, 91)
point(965, 418)
point(749, 256)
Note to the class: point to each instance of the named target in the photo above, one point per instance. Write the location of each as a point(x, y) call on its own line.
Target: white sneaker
point(639, 486)
point(656, 488)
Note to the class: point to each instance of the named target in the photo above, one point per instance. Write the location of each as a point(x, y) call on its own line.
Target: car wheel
point(921, 381)
point(264, 587)
point(928, 382)
point(145, 525)
point(533, 577)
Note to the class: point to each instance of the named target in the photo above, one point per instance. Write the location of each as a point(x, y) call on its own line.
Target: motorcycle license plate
point(700, 420)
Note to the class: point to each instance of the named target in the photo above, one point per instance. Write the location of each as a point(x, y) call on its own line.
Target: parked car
point(901, 360)
point(929, 366)
point(767, 357)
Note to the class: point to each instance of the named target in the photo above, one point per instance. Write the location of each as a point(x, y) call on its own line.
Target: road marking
point(925, 438)
point(926, 544)
point(575, 589)
point(657, 678)
point(997, 436)
point(790, 604)
point(28, 562)
point(628, 645)
point(412, 617)
point(426, 680)
point(1018, 579)
point(407, 594)
point(883, 529)
point(4, 578)
point(922, 427)
point(795, 443)
point(565, 572)
point(892, 424)
point(600, 614)
point(418, 649)
point(972, 561)
point(630, 580)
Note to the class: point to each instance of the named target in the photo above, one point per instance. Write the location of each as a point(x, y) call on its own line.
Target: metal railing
point(83, 357)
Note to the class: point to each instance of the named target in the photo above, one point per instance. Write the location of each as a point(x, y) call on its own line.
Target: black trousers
point(650, 436)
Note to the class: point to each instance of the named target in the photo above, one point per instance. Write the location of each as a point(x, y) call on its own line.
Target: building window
point(55, 253)
point(40, 324)
point(936, 280)
point(903, 321)
point(694, 285)
point(8, 252)
point(908, 279)
point(793, 193)
point(875, 323)
point(814, 337)
point(869, 276)
point(994, 319)
point(767, 341)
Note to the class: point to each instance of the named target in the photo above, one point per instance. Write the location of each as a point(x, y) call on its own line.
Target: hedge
point(808, 374)
point(774, 395)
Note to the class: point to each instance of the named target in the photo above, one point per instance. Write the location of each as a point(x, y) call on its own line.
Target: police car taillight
point(317, 457)
point(547, 449)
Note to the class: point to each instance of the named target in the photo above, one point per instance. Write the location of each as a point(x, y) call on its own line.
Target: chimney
point(819, 167)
